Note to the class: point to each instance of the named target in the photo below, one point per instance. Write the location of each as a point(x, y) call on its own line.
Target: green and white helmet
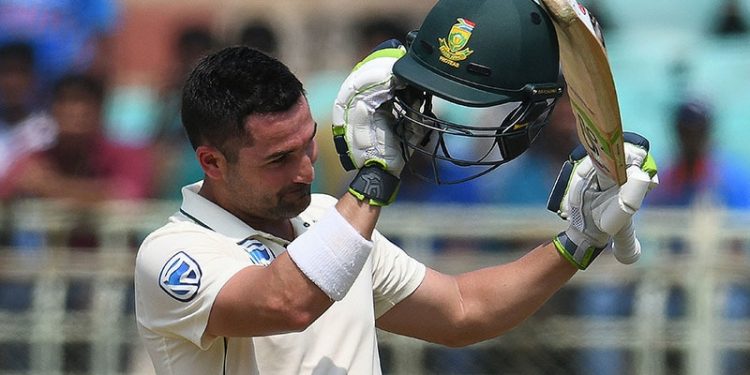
point(478, 53)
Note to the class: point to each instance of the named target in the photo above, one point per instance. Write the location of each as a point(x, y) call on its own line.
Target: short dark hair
point(228, 86)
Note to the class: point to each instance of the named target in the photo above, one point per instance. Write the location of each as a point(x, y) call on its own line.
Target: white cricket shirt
point(181, 267)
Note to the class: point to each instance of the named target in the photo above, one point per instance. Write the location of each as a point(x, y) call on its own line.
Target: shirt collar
point(208, 214)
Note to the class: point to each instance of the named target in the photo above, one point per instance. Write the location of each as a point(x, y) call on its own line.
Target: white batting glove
point(362, 113)
point(595, 215)
point(363, 126)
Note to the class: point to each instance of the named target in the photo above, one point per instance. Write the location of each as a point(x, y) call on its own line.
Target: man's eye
point(279, 159)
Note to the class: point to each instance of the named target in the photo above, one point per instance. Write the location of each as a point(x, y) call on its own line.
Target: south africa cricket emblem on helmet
point(454, 48)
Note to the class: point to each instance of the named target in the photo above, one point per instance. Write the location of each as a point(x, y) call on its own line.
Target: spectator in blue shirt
point(67, 35)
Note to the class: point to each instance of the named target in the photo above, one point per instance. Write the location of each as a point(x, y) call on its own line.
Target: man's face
point(271, 176)
point(78, 118)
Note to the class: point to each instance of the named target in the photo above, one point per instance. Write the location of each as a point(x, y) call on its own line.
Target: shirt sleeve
point(177, 279)
point(395, 274)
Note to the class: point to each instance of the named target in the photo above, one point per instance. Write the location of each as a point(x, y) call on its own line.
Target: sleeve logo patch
point(181, 277)
point(257, 251)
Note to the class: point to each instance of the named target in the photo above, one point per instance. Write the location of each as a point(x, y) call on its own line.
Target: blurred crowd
point(64, 129)
point(59, 135)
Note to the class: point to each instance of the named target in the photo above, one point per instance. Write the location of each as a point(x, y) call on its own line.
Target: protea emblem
point(454, 48)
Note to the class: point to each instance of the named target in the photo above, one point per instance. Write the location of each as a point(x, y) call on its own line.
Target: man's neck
point(282, 229)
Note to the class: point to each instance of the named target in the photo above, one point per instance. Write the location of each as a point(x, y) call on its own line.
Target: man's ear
point(212, 161)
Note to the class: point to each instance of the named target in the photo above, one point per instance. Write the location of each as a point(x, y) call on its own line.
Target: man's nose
point(306, 172)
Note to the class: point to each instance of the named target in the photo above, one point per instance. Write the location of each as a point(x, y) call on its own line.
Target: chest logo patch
point(257, 251)
point(181, 277)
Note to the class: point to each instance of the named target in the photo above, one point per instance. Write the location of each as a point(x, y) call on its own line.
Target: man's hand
point(363, 123)
point(595, 215)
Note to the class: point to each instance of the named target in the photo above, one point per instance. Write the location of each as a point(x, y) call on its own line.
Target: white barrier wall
point(76, 315)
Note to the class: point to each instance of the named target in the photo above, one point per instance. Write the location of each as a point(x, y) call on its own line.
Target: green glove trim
point(339, 130)
point(576, 255)
point(649, 165)
point(386, 52)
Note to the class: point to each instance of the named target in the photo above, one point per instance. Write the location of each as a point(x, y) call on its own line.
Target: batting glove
point(363, 126)
point(596, 214)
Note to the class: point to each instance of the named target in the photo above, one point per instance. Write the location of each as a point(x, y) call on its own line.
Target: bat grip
point(626, 247)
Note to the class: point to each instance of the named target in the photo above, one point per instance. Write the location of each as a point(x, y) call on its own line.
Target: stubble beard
point(292, 202)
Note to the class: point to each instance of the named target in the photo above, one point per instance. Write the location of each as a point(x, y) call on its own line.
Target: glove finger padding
point(642, 177)
point(363, 118)
point(614, 215)
point(626, 247)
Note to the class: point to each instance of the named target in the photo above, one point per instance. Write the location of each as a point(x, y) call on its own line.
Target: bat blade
point(593, 98)
point(590, 86)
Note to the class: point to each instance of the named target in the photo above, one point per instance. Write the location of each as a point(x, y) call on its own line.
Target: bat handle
point(626, 247)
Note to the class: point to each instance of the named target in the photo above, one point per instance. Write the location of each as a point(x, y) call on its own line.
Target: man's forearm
point(361, 215)
point(496, 299)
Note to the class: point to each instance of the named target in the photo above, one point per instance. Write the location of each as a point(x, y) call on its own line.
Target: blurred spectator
point(700, 174)
point(83, 165)
point(67, 35)
point(17, 82)
point(259, 35)
point(176, 165)
point(23, 129)
point(731, 20)
point(699, 171)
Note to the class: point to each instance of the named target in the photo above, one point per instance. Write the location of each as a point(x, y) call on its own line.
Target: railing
point(73, 307)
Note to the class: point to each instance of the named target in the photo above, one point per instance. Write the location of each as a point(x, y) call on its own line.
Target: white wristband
point(331, 254)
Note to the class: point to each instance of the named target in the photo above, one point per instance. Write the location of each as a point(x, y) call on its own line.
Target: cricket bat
point(593, 98)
